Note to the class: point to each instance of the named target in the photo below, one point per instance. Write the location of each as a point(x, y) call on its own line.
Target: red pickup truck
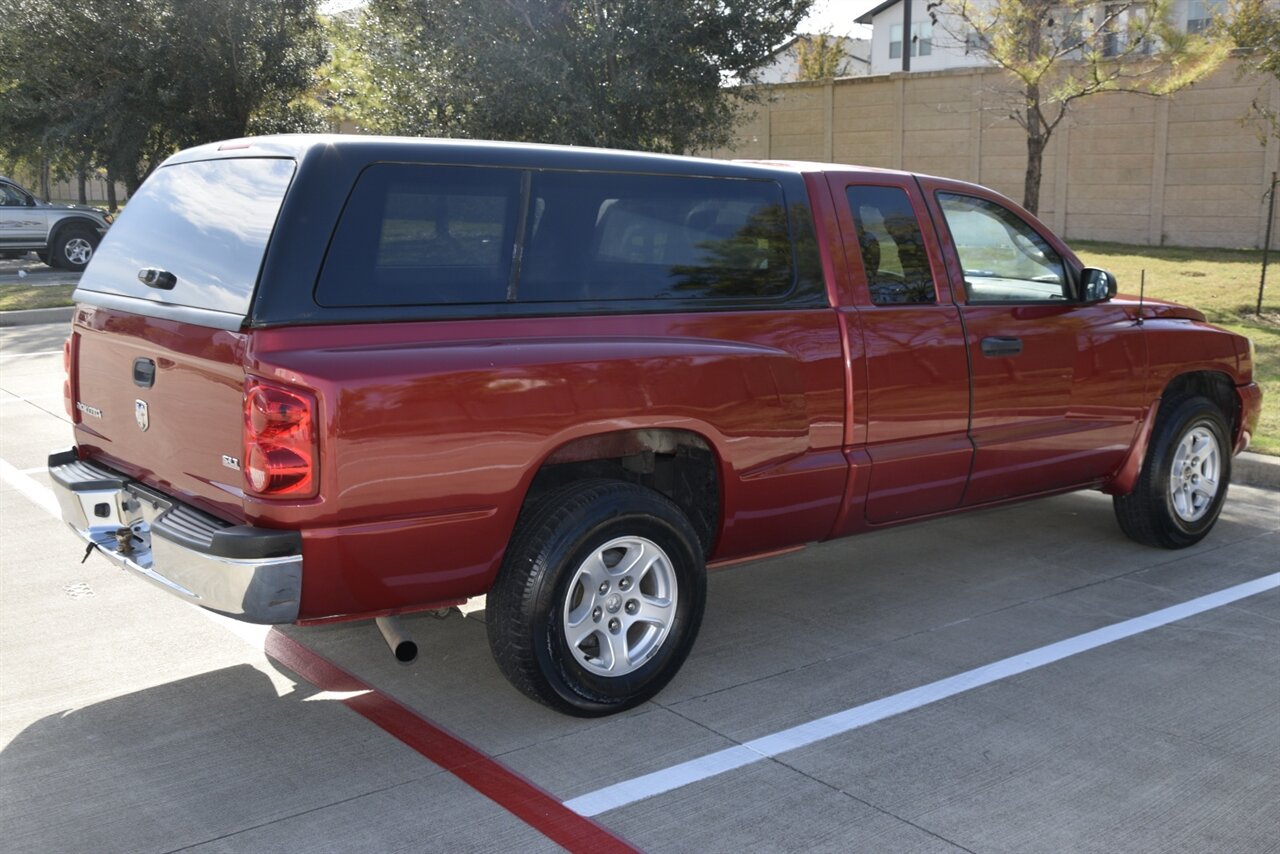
point(318, 378)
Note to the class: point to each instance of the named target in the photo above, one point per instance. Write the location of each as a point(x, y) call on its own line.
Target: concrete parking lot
point(1016, 680)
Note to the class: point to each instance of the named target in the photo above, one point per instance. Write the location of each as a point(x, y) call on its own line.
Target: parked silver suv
point(61, 235)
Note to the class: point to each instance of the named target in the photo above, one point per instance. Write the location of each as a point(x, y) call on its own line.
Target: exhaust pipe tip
point(398, 641)
point(405, 651)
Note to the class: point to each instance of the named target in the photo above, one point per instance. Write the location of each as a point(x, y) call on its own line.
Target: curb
point(1256, 470)
point(32, 316)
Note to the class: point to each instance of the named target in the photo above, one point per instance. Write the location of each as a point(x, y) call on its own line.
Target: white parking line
point(39, 494)
point(639, 788)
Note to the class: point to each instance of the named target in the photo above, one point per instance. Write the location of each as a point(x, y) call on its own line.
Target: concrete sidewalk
point(36, 316)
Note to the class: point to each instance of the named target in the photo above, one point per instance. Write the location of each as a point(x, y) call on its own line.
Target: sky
point(839, 15)
point(836, 14)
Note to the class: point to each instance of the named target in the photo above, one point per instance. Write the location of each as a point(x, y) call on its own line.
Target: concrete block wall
point(1187, 170)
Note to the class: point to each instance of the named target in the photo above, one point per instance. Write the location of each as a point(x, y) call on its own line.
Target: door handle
point(144, 373)
point(994, 348)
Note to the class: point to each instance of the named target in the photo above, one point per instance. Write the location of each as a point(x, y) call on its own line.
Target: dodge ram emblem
point(140, 413)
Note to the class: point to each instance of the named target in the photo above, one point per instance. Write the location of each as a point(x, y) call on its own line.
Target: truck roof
point(485, 152)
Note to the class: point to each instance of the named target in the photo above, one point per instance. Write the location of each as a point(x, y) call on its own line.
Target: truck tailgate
point(162, 401)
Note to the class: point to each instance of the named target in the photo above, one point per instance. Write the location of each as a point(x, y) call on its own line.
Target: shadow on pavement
point(188, 762)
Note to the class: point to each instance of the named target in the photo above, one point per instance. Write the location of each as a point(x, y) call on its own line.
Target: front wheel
point(599, 598)
point(73, 249)
point(1184, 477)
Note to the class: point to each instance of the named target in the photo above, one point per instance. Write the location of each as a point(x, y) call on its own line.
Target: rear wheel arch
point(681, 465)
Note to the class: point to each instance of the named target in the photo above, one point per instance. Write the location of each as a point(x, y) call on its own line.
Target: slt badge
point(140, 415)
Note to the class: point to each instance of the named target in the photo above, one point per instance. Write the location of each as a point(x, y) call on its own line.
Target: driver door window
point(11, 198)
point(1004, 259)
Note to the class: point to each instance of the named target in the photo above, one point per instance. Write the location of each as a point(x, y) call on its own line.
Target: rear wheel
point(599, 599)
point(1184, 477)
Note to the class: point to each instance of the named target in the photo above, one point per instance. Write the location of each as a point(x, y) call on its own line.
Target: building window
point(921, 40)
point(1202, 13)
point(1112, 37)
point(1071, 29)
point(976, 43)
point(1125, 31)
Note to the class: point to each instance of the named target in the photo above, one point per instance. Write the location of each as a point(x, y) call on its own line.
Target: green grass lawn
point(18, 297)
point(1222, 283)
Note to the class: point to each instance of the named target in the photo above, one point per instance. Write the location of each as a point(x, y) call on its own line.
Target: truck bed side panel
point(434, 431)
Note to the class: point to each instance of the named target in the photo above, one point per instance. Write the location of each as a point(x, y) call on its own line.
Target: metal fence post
point(1266, 242)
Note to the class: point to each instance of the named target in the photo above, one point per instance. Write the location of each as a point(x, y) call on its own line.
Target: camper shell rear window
point(205, 222)
point(454, 235)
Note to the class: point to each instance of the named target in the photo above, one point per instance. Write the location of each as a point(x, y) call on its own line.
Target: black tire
point(73, 248)
point(1151, 514)
point(539, 585)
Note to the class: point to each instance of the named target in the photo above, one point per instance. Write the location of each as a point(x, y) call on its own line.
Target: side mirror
point(1098, 285)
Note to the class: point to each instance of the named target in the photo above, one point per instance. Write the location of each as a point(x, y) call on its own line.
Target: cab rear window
point(206, 222)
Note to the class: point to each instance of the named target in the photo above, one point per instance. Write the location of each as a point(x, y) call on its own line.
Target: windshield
point(207, 223)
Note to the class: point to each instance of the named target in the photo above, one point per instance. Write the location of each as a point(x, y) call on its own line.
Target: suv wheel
point(74, 248)
point(599, 598)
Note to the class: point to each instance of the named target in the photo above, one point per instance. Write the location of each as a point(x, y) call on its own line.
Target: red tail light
point(280, 447)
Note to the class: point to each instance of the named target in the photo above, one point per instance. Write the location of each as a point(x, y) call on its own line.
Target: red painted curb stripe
point(531, 804)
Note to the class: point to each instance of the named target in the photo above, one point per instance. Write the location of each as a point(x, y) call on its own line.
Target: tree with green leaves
point(820, 57)
point(638, 74)
point(122, 84)
point(1058, 52)
point(379, 78)
point(1253, 27)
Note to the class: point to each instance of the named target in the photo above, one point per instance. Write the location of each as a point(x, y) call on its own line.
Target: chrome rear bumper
point(252, 574)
